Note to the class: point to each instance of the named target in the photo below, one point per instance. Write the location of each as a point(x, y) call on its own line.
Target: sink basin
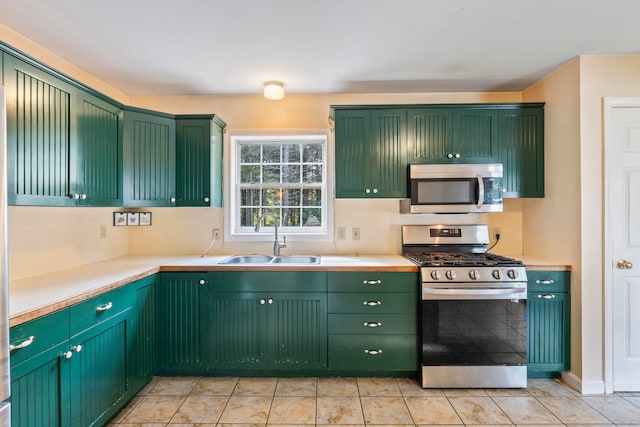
point(247, 259)
point(296, 259)
point(269, 259)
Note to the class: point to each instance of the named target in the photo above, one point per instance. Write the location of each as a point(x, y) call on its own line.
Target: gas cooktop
point(461, 259)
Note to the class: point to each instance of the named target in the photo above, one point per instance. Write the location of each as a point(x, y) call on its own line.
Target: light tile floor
point(273, 402)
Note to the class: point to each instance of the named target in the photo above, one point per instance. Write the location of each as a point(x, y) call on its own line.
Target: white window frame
point(233, 231)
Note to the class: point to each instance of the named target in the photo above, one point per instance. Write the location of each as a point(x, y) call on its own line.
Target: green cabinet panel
point(475, 135)
point(143, 359)
point(149, 150)
point(199, 160)
point(430, 135)
point(522, 151)
point(181, 338)
point(373, 353)
point(98, 369)
point(365, 324)
point(372, 303)
point(98, 179)
point(39, 143)
point(549, 322)
point(266, 325)
point(375, 281)
point(370, 153)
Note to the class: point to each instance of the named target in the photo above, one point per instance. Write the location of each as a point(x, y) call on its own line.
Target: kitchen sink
point(269, 259)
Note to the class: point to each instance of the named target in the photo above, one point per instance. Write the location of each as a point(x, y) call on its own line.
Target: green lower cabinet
point(143, 359)
point(98, 367)
point(549, 320)
point(372, 353)
point(276, 321)
point(181, 339)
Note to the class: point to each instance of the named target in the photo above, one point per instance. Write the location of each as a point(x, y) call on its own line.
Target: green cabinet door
point(98, 371)
point(522, 151)
point(181, 339)
point(39, 129)
point(149, 150)
point(143, 359)
point(98, 171)
point(371, 153)
point(549, 322)
point(199, 160)
point(475, 135)
point(430, 134)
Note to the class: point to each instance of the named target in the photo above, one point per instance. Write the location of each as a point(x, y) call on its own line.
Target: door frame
point(609, 104)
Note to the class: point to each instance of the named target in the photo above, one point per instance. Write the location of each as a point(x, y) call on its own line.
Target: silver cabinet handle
point(372, 282)
point(74, 196)
point(263, 301)
point(546, 296)
point(457, 156)
point(83, 197)
point(206, 200)
point(270, 300)
point(372, 324)
point(172, 200)
point(67, 354)
point(77, 348)
point(450, 156)
point(367, 191)
point(202, 281)
point(105, 307)
point(545, 282)
point(371, 303)
point(23, 344)
point(375, 190)
point(373, 352)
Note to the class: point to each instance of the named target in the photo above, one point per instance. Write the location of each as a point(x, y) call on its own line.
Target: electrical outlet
point(216, 233)
point(103, 231)
point(355, 233)
point(342, 233)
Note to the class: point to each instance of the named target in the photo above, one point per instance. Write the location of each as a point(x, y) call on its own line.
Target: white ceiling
point(168, 47)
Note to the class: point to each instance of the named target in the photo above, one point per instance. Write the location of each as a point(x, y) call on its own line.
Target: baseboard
point(584, 387)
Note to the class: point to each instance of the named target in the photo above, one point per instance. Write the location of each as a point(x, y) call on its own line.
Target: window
point(285, 176)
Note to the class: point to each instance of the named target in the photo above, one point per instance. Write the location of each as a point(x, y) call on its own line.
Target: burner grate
point(462, 259)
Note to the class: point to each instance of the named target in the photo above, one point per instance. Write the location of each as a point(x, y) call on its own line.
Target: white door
point(623, 198)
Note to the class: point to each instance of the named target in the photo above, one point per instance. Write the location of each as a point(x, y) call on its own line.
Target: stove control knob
point(435, 275)
point(496, 274)
point(512, 274)
point(474, 274)
point(450, 274)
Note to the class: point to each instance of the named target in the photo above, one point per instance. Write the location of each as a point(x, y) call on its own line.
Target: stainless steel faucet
point(276, 244)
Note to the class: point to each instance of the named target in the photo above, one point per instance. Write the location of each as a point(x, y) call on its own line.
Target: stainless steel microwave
point(454, 188)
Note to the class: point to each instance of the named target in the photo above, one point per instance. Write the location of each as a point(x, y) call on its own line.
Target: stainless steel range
point(472, 324)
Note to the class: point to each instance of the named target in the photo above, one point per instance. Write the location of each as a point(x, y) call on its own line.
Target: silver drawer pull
point(67, 354)
point(372, 282)
point(544, 282)
point(371, 303)
point(373, 352)
point(23, 344)
point(372, 324)
point(546, 296)
point(105, 307)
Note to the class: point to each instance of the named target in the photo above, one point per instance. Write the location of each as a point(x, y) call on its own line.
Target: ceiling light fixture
point(273, 90)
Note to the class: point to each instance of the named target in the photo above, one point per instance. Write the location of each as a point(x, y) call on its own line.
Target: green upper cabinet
point(370, 153)
point(63, 144)
point(39, 142)
point(99, 152)
point(460, 135)
point(522, 151)
point(199, 160)
point(149, 157)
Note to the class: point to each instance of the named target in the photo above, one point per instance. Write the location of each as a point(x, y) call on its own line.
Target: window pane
point(312, 217)
point(271, 173)
point(292, 218)
point(312, 153)
point(249, 216)
point(312, 173)
point(250, 174)
point(291, 153)
point(291, 173)
point(271, 197)
point(291, 197)
point(249, 153)
point(249, 197)
point(312, 197)
point(271, 153)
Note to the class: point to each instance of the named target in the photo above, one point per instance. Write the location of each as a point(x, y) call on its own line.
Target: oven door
point(473, 337)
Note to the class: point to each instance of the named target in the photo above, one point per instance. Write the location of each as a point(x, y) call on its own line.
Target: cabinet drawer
point(548, 281)
point(38, 335)
point(372, 282)
point(373, 352)
point(358, 302)
point(371, 324)
point(97, 309)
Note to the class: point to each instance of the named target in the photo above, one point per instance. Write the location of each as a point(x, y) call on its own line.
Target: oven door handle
point(480, 191)
point(482, 293)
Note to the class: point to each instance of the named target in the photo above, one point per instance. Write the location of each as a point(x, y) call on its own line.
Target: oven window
point(473, 332)
point(444, 191)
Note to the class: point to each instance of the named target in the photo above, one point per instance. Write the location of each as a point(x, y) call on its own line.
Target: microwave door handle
point(480, 191)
